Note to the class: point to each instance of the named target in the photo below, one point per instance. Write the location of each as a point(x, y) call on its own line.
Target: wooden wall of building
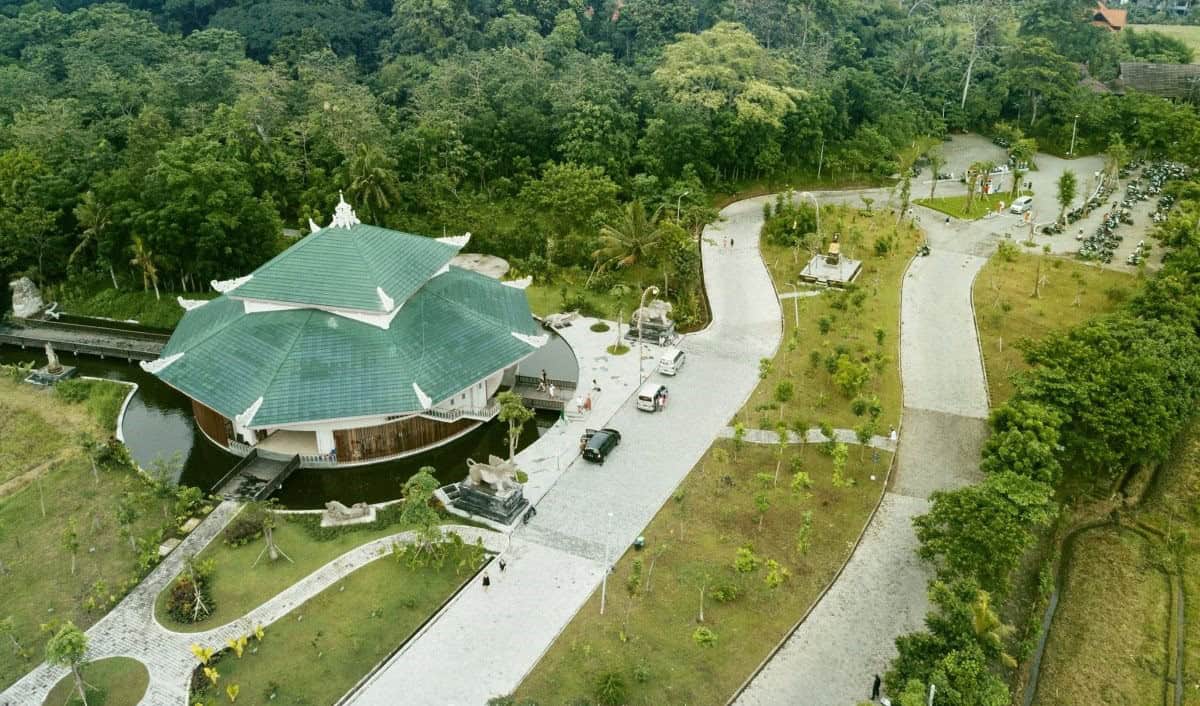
point(394, 437)
point(216, 426)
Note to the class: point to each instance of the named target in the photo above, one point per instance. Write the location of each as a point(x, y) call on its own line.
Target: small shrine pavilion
point(355, 345)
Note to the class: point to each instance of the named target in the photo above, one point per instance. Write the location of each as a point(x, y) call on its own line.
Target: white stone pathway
point(812, 436)
point(486, 641)
point(130, 629)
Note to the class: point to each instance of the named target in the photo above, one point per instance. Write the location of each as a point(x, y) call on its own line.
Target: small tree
point(513, 411)
point(8, 628)
point(783, 439)
point(90, 448)
point(804, 534)
point(417, 511)
point(127, 514)
point(68, 648)
point(739, 437)
point(840, 454)
point(1068, 184)
point(272, 549)
point(70, 542)
point(936, 162)
point(163, 474)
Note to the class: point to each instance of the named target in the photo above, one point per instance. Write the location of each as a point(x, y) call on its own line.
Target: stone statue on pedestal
point(52, 364)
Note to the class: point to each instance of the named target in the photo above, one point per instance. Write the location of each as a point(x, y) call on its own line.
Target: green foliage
point(804, 533)
point(776, 574)
point(704, 637)
point(725, 592)
point(746, 560)
point(610, 689)
point(850, 376)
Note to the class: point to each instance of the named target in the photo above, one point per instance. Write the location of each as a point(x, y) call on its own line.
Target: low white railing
point(454, 414)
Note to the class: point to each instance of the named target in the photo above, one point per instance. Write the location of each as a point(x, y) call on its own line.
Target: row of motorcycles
point(1101, 244)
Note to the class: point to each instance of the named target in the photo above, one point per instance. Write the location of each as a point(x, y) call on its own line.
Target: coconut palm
point(93, 218)
point(631, 239)
point(936, 162)
point(143, 259)
point(372, 183)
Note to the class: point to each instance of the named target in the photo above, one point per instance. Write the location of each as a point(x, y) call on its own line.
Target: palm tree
point(989, 629)
point(373, 186)
point(93, 218)
point(143, 259)
point(936, 162)
point(631, 239)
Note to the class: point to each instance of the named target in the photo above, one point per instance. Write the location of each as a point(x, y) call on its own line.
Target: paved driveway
point(488, 640)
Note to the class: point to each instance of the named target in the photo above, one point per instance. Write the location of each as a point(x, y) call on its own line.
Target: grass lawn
point(853, 317)
point(39, 586)
point(647, 642)
point(237, 588)
point(1188, 34)
point(610, 294)
point(1006, 311)
point(345, 631)
point(116, 681)
point(956, 206)
point(1108, 642)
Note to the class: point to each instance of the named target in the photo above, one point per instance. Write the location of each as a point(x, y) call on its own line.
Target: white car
point(1022, 205)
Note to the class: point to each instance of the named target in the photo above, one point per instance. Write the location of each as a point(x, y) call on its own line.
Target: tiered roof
point(354, 321)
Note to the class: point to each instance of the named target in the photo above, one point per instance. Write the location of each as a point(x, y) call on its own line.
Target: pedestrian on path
point(487, 581)
point(502, 565)
point(552, 391)
point(544, 381)
point(731, 243)
point(875, 688)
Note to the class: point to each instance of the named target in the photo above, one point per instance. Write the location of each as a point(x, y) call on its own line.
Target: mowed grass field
point(1007, 312)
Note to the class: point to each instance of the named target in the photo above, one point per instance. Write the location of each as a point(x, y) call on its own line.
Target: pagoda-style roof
point(347, 266)
point(309, 365)
point(354, 321)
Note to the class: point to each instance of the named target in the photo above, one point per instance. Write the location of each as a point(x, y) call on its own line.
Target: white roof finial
point(343, 215)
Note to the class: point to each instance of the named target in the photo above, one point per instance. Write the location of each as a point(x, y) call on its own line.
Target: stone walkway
point(131, 630)
point(812, 436)
point(850, 636)
point(589, 511)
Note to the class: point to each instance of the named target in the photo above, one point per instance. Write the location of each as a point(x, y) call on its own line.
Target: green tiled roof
point(310, 365)
point(342, 267)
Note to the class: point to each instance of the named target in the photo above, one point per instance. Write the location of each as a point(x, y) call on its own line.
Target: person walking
point(487, 581)
point(502, 565)
point(552, 391)
point(875, 688)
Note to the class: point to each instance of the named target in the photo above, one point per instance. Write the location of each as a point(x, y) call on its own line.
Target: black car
point(598, 443)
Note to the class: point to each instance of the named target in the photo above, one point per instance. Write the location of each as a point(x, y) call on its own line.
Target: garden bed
point(116, 681)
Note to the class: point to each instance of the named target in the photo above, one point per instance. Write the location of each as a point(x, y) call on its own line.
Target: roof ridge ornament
point(387, 302)
point(458, 241)
point(154, 367)
point(312, 226)
point(343, 214)
point(189, 304)
point(522, 283)
point(225, 285)
point(425, 400)
point(244, 419)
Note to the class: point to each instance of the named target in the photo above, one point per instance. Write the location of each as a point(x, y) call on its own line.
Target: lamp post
point(641, 343)
point(1074, 131)
point(678, 201)
point(604, 580)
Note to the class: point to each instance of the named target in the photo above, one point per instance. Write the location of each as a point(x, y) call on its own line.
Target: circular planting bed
point(599, 327)
point(617, 350)
point(116, 681)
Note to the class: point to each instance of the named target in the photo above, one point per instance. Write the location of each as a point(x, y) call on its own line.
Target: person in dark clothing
point(502, 565)
point(487, 581)
point(875, 688)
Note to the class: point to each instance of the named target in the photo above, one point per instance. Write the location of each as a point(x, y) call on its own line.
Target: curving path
point(832, 658)
point(485, 643)
point(130, 629)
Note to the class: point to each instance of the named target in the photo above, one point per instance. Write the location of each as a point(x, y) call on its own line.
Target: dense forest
point(171, 140)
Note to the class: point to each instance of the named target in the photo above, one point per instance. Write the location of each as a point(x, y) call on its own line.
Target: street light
point(1074, 131)
point(649, 290)
point(677, 202)
point(604, 581)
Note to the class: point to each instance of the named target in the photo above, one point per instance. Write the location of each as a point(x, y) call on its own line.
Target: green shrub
point(245, 528)
point(610, 689)
point(600, 327)
point(725, 592)
point(704, 637)
point(746, 561)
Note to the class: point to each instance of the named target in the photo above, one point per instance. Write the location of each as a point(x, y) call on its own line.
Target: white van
point(652, 397)
point(671, 361)
point(1022, 204)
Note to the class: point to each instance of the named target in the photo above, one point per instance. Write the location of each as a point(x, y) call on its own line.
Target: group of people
point(544, 385)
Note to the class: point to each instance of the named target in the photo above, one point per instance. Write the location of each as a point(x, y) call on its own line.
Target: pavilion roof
point(308, 365)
